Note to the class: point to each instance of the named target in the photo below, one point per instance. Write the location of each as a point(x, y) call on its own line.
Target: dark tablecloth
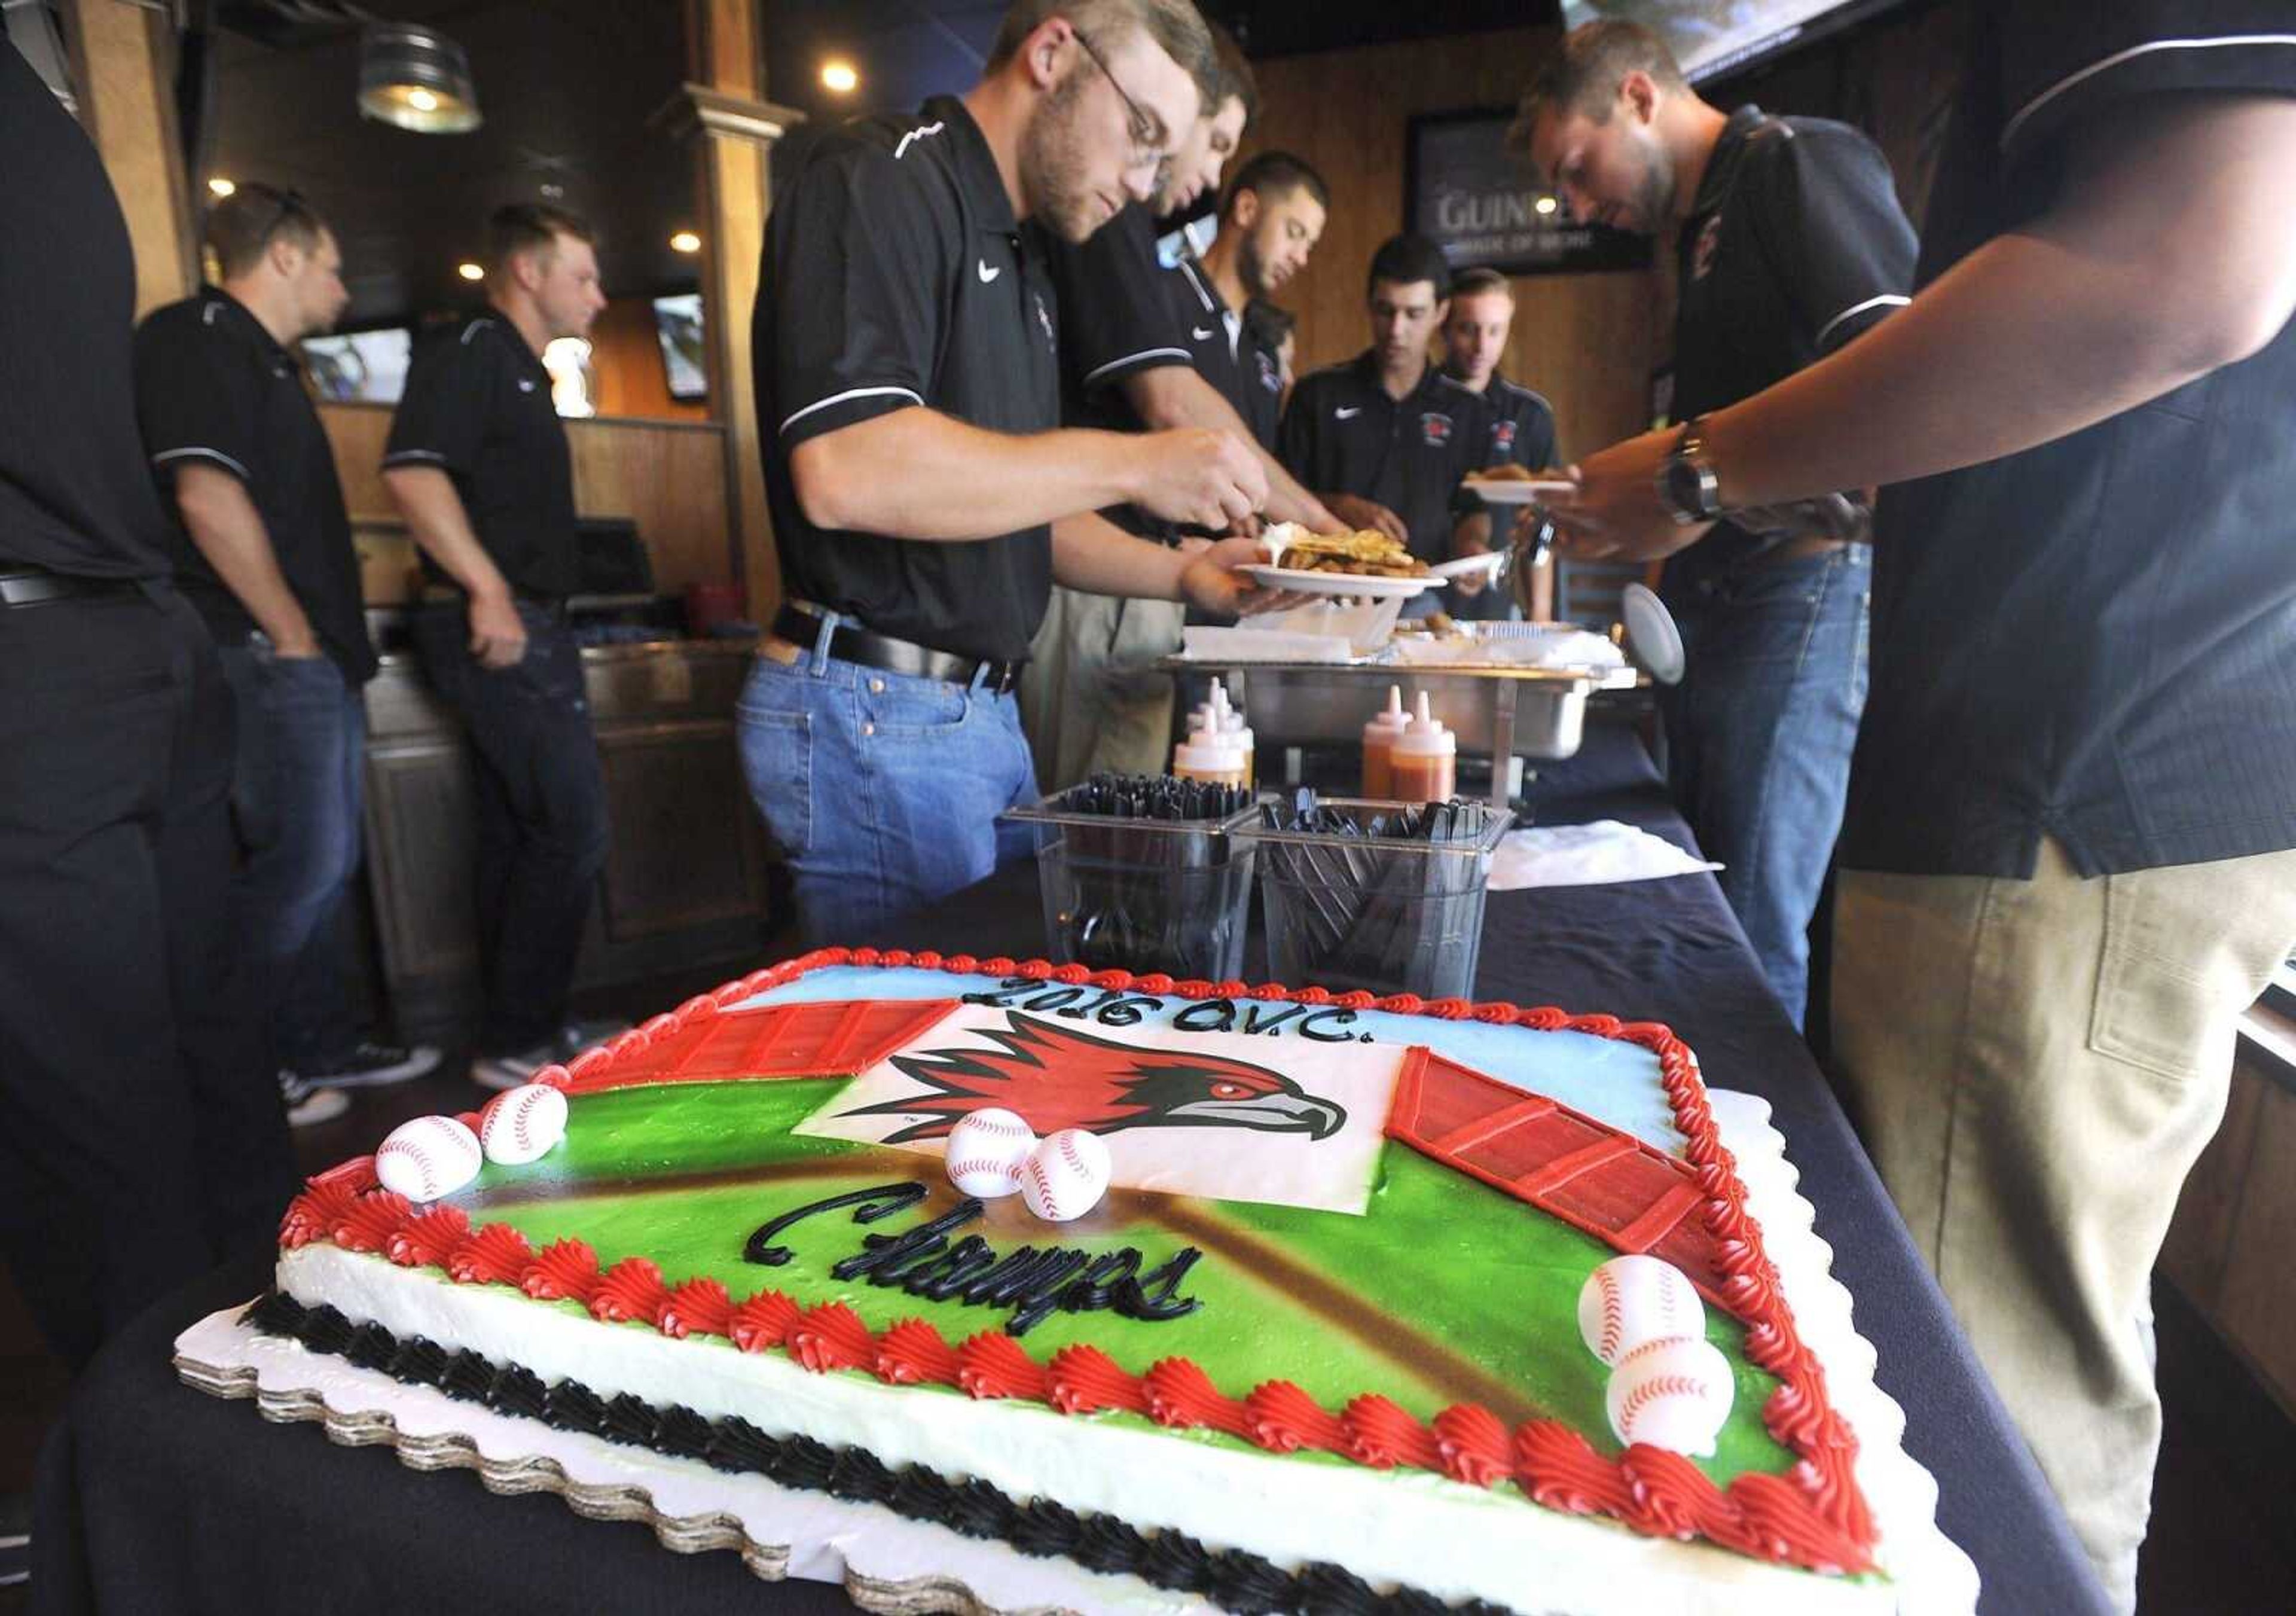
point(155, 1498)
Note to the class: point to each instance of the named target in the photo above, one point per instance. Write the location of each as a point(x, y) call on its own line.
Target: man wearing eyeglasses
point(1143, 347)
point(265, 556)
point(923, 497)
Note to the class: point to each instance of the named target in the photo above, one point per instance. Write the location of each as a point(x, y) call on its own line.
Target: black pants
point(542, 830)
point(140, 1133)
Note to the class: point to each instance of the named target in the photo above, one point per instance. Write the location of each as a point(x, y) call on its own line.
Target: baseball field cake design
point(1178, 1294)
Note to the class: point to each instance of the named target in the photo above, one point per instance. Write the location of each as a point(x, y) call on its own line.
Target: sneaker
point(372, 1065)
point(501, 1072)
point(310, 1107)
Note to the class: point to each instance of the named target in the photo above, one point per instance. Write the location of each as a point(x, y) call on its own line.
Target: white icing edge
point(1292, 1511)
point(1932, 1575)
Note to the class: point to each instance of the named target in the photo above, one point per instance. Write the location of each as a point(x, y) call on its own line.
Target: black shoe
point(372, 1066)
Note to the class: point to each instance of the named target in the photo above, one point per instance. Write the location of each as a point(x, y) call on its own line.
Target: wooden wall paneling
point(123, 72)
point(2258, 1304)
point(627, 376)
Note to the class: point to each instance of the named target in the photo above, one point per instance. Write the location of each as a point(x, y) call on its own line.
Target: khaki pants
point(2034, 1066)
point(1091, 698)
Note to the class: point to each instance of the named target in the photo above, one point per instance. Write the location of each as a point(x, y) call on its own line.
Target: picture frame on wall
point(1467, 192)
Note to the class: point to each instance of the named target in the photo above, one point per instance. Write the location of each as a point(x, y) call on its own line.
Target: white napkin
point(1586, 855)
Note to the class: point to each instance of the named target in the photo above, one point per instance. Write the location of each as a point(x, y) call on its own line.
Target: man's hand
point(1471, 537)
point(1202, 477)
point(1616, 514)
point(1359, 513)
point(296, 647)
point(1210, 579)
point(497, 633)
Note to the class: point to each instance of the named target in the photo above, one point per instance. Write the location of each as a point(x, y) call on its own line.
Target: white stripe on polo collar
point(203, 454)
point(1189, 269)
point(901, 150)
point(1888, 299)
point(2009, 130)
point(850, 392)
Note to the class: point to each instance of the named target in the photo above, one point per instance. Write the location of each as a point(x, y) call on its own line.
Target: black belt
point(22, 584)
point(848, 641)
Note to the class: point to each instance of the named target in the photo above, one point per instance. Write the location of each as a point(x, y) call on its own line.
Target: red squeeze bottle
point(1423, 763)
point(1379, 738)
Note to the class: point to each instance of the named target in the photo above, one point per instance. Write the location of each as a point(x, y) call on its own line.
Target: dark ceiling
point(569, 88)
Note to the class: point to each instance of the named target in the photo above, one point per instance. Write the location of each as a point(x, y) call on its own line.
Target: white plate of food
point(1353, 585)
point(1518, 490)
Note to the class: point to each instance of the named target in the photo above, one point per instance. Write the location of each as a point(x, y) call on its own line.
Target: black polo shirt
point(75, 493)
point(477, 406)
point(1522, 426)
point(2095, 640)
point(1228, 354)
point(213, 388)
point(1116, 319)
point(1794, 244)
point(895, 274)
point(1344, 435)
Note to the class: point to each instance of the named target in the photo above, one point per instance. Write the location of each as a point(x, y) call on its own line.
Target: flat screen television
point(677, 322)
point(1714, 37)
point(359, 367)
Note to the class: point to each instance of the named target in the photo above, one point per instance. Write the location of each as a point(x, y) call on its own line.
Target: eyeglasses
point(1147, 128)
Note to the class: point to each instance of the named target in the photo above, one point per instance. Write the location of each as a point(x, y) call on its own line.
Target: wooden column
point(123, 72)
point(734, 130)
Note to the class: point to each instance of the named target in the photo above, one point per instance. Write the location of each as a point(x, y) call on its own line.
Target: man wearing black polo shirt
point(141, 1135)
point(1141, 349)
point(1269, 223)
point(1522, 423)
point(1385, 437)
point(2066, 864)
point(477, 461)
point(923, 500)
point(1790, 243)
point(263, 553)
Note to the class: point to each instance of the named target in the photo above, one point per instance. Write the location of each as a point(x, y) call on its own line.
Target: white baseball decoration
point(522, 1124)
point(986, 1150)
point(428, 1158)
point(1632, 1300)
point(1065, 1175)
point(1671, 1393)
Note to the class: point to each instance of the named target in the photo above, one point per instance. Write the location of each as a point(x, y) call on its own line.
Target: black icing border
point(1232, 1579)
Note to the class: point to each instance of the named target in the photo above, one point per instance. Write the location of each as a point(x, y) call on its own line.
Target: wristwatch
point(1687, 485)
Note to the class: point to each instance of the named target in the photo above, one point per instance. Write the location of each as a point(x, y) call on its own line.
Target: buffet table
point(155, 1498)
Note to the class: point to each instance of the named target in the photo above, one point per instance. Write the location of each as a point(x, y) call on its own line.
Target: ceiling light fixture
point(1544, 205)
point(685, 241)
point(220, 186)
point(470, 271)
point(416, 79)
point(839, 77)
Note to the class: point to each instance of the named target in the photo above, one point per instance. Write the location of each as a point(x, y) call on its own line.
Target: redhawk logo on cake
point(1436, 428)
point(1056, 1077)
point(1231, 1116)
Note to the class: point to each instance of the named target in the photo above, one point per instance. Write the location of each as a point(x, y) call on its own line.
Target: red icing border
point(1816, 1518)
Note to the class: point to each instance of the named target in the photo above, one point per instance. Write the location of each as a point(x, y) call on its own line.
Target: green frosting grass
point(1448, 1283)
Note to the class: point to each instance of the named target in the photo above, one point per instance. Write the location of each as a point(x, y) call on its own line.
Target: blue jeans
point(296, 803)
point(881, 790)
point(1758, 735)
point(542, 832)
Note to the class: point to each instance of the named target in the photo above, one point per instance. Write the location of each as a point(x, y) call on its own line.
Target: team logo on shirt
point(1701, 255)
point(1503, 439)
point(1271, 376)
point(1435, 427)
